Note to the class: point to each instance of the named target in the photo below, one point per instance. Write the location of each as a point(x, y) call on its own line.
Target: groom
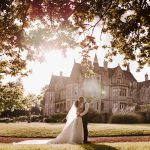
point(84, 115)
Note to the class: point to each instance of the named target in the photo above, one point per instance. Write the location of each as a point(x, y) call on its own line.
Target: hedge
point(126, 118)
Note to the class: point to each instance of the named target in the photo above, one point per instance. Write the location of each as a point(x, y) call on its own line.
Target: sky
point(55, 62)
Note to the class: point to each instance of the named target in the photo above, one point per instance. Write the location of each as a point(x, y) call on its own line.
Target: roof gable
point(76, 72)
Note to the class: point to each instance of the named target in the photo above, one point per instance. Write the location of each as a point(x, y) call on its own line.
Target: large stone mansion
point(109, 86)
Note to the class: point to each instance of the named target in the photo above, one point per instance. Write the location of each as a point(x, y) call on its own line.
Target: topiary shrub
point(50, 120)
point(127, 118)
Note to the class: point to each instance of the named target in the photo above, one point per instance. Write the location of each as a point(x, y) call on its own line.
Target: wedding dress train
point(72, 132)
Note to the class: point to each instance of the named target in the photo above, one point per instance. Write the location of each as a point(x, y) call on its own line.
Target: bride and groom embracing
point(75, 130)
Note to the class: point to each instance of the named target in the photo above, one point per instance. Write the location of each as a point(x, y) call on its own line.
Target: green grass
point(46, 130)
point(105, 146)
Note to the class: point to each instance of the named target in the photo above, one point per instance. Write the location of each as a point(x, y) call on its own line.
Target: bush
point(5, 120)
point(21, 119)
point(146, 116)
point(50, 120)
point(128, 118)
point(15, 113)
point(35, 118)
point(94, 117)
point(59, 117)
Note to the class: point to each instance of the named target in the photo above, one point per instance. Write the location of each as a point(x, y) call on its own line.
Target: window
point(115, 92)
point(131, 93)
point(119, 92)
point(118, 80)
point(102, 106)
point(122, 92)
point(123, 105)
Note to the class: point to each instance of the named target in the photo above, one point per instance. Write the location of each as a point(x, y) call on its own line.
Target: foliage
point(36, 118)
point(146, 116)
point(127, 118)
point(15, 113)
point(127, 21)
point(29, 26)
point(12, 98)
point(94, 117)
point(50, 120)
point(35, 110)
point(57, 117)
point(143, 108)
point(6, 120)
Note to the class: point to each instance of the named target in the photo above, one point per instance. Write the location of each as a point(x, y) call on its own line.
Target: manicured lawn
point(53, 129)
point(106, 146)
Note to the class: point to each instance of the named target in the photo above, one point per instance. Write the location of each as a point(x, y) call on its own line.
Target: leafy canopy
point(29, 26)
point(12, 97)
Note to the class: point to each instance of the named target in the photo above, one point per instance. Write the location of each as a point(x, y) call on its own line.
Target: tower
point(95, 63)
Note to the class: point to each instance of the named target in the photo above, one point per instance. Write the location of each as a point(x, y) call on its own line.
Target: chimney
point(128, 67)
point(105, 64)
point(61, 73)
point(146, 77)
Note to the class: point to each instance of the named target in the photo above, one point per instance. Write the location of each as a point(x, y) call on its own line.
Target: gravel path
point(92, 139)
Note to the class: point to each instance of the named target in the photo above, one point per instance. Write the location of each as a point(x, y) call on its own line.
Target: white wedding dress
point(72, 132)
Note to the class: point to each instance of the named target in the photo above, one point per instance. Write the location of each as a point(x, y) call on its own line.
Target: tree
point(12, 97)
point(29, 26)
point(127, 21)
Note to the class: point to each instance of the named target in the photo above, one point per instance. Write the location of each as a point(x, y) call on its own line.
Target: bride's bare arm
point(78, 111)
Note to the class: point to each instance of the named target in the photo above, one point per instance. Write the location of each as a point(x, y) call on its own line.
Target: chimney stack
point(128, 67)
point(146, 77)
point(105, 64)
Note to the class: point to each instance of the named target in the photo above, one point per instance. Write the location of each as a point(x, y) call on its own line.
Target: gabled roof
point(144, 83)
point(76, 72)
point(129, 75)
point(111, 71)
point(55, 79)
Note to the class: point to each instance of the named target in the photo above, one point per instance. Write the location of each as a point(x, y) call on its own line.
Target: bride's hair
point(77, 103)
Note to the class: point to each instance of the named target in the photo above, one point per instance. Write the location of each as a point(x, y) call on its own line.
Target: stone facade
point(109, 87)
point(144, 91)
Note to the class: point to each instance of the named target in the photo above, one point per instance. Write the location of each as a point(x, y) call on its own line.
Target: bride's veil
point(71, 115)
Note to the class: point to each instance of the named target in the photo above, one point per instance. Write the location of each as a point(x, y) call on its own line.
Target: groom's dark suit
point(84, 115)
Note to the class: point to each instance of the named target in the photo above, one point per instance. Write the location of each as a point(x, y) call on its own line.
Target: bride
point(72, 131)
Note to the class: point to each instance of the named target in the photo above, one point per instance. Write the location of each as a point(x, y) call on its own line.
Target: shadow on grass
point(97, 147)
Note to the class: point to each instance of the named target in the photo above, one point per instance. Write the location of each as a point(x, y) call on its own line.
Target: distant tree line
point(13, 102)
